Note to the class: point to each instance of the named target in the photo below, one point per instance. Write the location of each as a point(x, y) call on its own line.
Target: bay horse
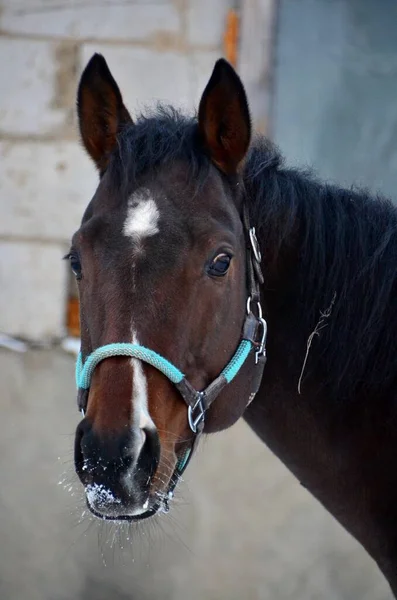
point(196, 240)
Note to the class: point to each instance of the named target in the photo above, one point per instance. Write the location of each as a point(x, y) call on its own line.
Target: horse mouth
point(123, 517)
point(104, 505)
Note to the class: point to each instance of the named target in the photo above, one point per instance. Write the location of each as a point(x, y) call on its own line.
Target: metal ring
point(194, 421)
point(249, 300)
point(258, 305)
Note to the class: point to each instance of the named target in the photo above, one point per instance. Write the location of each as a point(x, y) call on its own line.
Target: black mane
point(162, 136)
point(348, 246)
point(348, 260)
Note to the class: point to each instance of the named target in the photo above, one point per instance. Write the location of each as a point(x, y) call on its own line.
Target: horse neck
point(341, 413)
point(304, 230)
point(328, 251)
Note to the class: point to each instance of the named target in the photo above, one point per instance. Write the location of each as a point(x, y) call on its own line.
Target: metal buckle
point(255, 245)
point(261, 351)
point(196, 419)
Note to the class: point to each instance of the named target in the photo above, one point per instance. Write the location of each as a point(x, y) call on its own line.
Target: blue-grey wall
point(335, 104)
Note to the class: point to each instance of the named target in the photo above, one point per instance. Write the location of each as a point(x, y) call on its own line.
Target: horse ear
point(101, 112)
point(224, 119)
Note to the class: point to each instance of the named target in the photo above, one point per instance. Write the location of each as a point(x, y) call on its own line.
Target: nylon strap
point(253, 263)
point(84, 372)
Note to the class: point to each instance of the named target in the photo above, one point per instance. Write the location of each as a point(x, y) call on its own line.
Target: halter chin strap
point(253, 340)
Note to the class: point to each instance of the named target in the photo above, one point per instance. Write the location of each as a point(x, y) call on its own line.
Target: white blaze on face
point(140, 408)
point(141, 222)
point(142, 216)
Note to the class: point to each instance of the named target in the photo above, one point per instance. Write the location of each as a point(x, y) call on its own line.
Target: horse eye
point(75, 265)
point(220, 265)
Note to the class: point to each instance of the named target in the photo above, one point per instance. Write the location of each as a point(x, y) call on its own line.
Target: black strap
point(253, 261)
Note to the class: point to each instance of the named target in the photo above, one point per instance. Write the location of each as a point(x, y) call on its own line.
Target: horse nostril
point(79, 461)
point(100, 456)
point(152, 441)
point(149, 455)
point(113, 461)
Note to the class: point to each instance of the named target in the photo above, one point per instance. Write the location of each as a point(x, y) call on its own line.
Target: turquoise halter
point(84, 372)
point(193, 398)
point(198, 402)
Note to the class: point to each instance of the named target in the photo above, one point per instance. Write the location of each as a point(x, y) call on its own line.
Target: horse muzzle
point(117, 471)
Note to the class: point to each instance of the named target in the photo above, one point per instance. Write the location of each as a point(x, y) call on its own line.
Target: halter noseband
point(253, 339)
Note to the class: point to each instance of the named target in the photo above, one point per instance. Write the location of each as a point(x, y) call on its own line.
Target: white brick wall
point(48, 185)
point(206, 21)
point(28, 75)
point(145, 76)
point(32, 284)
point(136, 21)
point(158, 50)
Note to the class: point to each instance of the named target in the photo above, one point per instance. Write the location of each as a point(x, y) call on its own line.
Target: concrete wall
point(156, 49)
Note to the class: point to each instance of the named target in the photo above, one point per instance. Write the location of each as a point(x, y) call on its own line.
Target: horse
point(202, 256)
